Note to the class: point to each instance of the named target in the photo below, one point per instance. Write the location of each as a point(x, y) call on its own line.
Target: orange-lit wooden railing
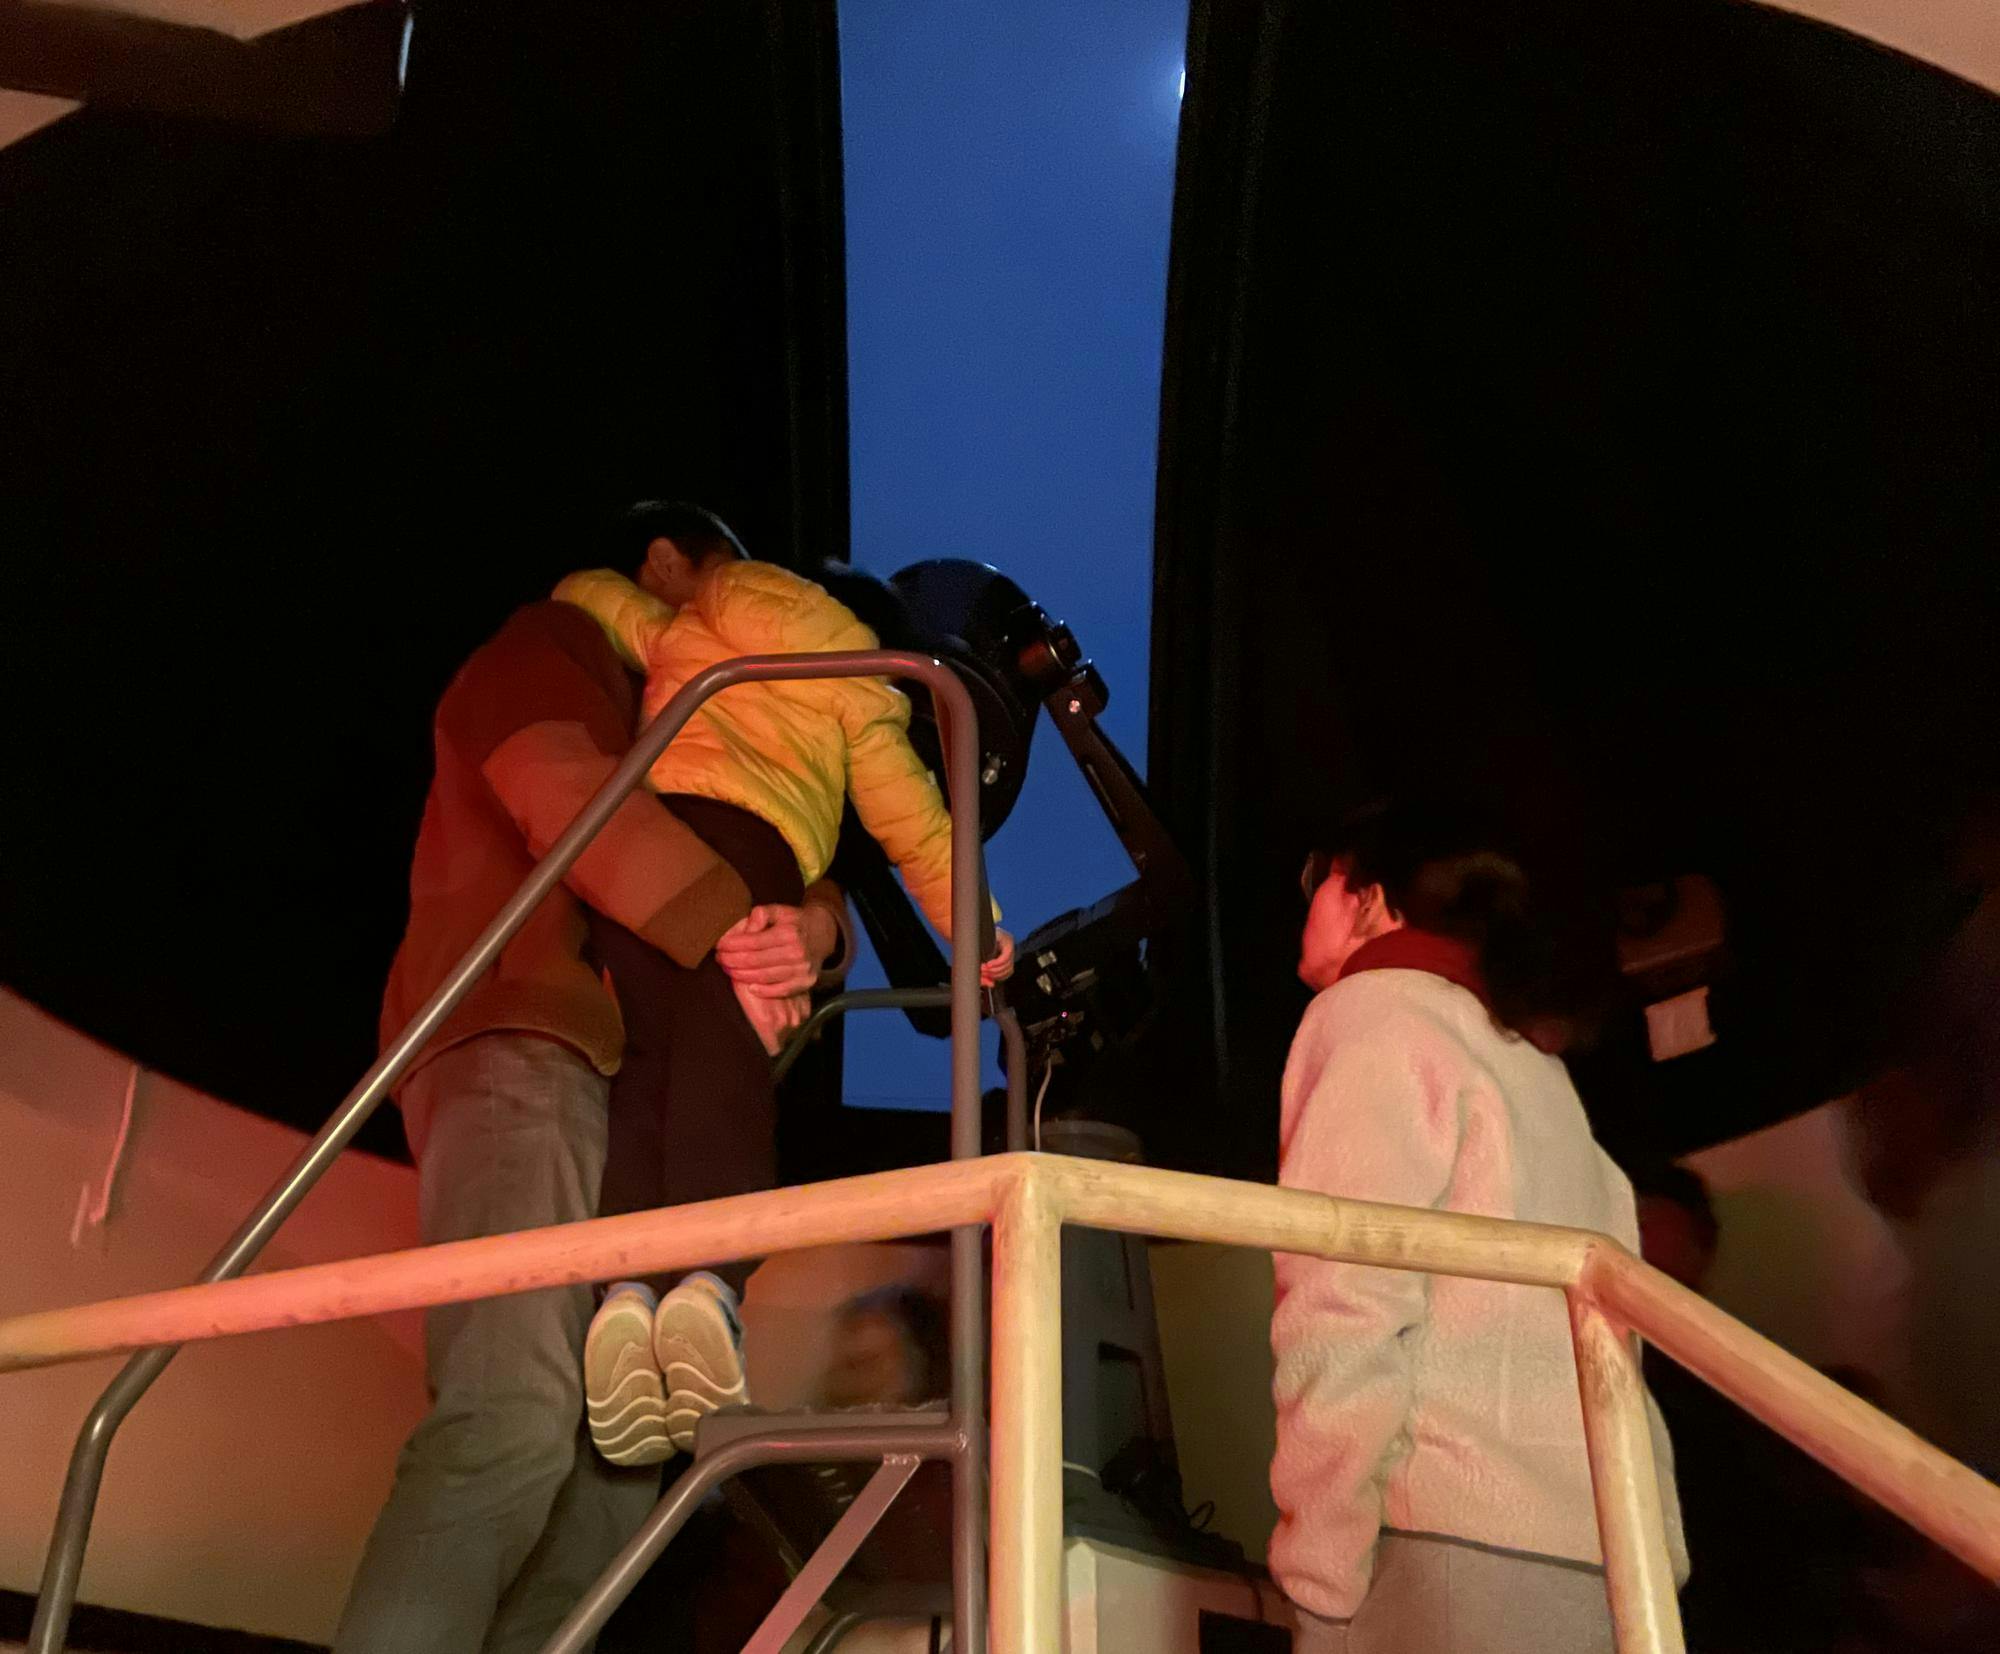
point(1028, 1198)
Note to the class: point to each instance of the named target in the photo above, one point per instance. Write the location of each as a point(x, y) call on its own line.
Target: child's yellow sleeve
point(632, 619)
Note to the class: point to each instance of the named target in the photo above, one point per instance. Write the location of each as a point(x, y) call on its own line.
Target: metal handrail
point(64, 1566)
point(916, 999)
point(855, 999)
point(1028, 1198)
point(855, 1442)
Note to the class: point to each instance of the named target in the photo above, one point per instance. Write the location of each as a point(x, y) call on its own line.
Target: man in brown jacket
point(497, 1522)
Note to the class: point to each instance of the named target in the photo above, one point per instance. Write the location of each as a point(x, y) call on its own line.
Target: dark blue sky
point(1009, 180)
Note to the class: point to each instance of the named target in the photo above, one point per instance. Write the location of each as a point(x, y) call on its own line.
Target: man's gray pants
point(501, 1515)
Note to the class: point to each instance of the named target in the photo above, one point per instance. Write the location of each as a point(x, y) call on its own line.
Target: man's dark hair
point(699, 532)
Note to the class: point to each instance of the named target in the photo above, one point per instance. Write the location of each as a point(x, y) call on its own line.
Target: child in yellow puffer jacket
point(761, 774)
point(789, 752)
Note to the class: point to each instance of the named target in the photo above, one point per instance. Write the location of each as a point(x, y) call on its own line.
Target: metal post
point(64, 1566)
point(1017, 1075)
point(1027, 1421)
point(1638, 1574)
point(970, 918)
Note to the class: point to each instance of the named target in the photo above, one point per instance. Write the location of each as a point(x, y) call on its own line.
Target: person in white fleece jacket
point(1431, 1478)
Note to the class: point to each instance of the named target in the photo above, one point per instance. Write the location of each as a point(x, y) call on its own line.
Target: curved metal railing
point(1012, 1040)
point(970, 918)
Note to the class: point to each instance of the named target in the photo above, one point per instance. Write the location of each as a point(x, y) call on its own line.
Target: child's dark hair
point(1444, 869)
point(921, 1320)
point(699, 532)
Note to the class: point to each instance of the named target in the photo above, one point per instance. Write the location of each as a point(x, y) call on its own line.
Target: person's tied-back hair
point(1444, 870)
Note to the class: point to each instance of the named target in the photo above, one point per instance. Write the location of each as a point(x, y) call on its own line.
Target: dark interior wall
point(291, 423)
point(1588, 408)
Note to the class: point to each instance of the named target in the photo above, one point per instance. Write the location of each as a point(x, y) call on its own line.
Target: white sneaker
point(698, 1345)
point(624, 1397)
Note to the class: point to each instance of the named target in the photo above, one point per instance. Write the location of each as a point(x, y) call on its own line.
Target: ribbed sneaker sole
point(624, 1396)
point(631, 1428)
point(695, 1345)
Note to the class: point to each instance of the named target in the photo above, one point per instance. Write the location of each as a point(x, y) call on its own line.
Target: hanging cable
point(1048, 1073)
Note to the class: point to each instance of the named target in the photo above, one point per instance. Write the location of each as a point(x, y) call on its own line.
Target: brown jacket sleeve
point(544, 713)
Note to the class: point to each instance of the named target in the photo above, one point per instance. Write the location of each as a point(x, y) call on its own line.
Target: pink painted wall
point(242, 1488)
